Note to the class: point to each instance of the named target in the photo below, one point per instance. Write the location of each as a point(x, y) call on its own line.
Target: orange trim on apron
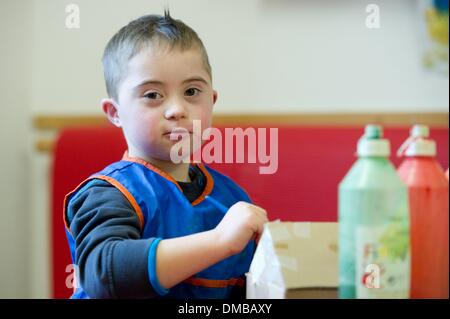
point(209, 185)
point(117, 185)
point(150, 166)
point(211, 283)
point(209, 179)
point(65, 202)
point(127, 194)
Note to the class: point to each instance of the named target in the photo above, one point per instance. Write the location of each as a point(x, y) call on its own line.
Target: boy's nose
point(175, 111)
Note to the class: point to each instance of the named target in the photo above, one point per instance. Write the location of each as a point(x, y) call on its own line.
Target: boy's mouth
point(177, 132)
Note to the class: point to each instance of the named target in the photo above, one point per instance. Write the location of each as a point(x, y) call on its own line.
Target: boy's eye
point(153, 95)
point(192, 92)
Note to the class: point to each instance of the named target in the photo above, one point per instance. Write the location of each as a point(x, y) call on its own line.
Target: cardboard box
point(295, 260)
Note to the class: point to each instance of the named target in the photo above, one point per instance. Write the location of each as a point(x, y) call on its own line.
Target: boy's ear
point(214, 96)
point(110, 108)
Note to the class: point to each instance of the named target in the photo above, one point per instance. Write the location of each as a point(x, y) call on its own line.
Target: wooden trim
point(341, 119)
point(58, 122)
point(44, 145)
point(52, 122)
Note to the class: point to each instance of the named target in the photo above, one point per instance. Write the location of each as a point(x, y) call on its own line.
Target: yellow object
point(437, 25)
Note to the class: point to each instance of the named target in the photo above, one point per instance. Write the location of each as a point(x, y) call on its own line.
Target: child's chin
point(166, 157)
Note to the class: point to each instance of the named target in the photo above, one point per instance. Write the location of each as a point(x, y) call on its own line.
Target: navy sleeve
point(112, 258)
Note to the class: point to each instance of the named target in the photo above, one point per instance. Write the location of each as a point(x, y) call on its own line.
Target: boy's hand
point(241, 223)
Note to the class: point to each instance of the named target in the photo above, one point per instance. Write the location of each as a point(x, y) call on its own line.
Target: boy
point(141, 227)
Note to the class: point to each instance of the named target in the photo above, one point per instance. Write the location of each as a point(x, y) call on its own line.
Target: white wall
point(267, 56)
point(15, 210)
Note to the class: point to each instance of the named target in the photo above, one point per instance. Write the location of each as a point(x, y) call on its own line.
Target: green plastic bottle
point(374, 248)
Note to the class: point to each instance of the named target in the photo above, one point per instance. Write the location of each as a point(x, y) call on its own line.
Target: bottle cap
point(372, 142)
point(418, 143)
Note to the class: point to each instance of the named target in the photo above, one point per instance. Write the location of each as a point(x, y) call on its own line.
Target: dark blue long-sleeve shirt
point(112, 258)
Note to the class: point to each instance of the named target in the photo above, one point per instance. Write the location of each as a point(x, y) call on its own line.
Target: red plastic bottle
point(429, 215)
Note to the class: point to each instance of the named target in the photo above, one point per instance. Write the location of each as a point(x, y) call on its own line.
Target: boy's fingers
point(262, 218)
point(257, 239)
point(260, 210)
point(257, 235)
point(261, 213)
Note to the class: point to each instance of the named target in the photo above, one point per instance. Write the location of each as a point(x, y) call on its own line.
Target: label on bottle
point(382, 261)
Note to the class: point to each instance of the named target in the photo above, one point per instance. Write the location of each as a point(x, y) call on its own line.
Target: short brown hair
point(133, 37)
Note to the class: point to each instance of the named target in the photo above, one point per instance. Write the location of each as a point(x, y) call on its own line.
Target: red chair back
point(311, 163)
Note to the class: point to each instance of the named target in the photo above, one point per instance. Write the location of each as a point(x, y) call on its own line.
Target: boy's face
point(162, 90)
